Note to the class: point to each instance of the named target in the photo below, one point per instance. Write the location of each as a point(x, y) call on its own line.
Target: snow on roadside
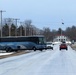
point(1, 54)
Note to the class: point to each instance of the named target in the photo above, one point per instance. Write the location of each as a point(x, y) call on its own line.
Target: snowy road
point(49, 62)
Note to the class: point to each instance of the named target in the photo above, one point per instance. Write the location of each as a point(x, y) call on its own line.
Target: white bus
point(22, 42)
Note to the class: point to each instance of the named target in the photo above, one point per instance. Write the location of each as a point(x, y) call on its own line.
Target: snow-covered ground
point(47, 62)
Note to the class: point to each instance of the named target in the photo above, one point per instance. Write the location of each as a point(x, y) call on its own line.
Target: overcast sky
point(43, 13)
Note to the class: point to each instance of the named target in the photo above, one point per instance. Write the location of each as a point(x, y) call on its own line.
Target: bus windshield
point(41, 40)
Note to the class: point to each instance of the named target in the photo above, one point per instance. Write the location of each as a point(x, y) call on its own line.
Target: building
point(61, 38)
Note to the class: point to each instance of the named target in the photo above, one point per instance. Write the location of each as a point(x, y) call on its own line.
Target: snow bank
point(1, 54)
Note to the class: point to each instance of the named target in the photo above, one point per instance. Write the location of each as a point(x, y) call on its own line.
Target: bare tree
point(47, 33)
point(27, 25)
point(5, 29)
point(9, 22)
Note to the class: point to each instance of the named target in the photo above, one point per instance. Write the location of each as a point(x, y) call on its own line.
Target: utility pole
point(16, 20)
point(1, 11)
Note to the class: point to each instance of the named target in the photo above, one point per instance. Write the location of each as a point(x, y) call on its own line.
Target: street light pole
point(61, 29)
point(1, 11)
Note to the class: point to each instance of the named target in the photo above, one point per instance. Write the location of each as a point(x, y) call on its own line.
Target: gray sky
point(43, 13)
